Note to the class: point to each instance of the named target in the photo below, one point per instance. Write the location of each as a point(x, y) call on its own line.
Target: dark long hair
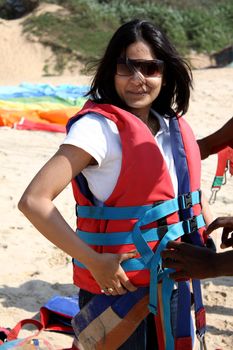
point(177, 76)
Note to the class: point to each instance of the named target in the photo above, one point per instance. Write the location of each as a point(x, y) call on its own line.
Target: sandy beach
point(32, 269)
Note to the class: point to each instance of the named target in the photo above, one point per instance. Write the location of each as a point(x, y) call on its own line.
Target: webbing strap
point(199, 309)
point(116, 238)
point(149, 213)
point(167, 288)
point(183, 330)
point(137, 236)
point(174, 231)
point(128, 265)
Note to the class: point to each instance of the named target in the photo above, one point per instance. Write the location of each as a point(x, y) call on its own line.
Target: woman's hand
point(109, 274)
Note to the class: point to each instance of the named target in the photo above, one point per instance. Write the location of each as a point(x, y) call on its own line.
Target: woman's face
point(138, 87)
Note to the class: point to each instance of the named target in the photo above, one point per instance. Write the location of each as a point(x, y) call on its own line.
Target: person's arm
point(217, 141)
point(198, 262)
point(37, 205)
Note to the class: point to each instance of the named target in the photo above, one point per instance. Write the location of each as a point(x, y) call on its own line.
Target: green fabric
point(218, 180)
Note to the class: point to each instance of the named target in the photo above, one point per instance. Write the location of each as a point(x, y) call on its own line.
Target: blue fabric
point(112, 213)
point(184, 300)
point(11, 344)
point(183, 317)
point(63, 91)
point(137, 236)
point(150, 213)
point(198, 302)
point(144, 337)
point(167, 289)
point(151, 259)
point(67, 306)
point(116, 238)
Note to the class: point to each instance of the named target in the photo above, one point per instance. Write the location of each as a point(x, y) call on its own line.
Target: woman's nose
point(138, 77)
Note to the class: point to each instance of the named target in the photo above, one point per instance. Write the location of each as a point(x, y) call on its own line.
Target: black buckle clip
point(185, 200)
point(190, 225)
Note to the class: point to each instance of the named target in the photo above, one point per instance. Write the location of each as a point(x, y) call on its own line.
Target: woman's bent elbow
point(25, 203)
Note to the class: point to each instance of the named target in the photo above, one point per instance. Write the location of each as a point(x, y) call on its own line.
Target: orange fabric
point(10, 117)
point(58, 116)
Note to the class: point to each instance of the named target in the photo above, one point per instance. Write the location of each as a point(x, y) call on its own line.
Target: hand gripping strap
point(174, 231)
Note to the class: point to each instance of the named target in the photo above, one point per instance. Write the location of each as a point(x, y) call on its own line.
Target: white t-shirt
point(99, 137)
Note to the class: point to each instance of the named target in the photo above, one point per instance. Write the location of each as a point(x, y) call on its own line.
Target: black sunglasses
point(148, 68)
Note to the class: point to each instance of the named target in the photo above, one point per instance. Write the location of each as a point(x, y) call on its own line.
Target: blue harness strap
point(137, 237)
point(183, 328)
point(150, 212)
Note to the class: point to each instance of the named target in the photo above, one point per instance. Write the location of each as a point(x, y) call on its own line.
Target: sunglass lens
point(123, 69)
point(151, 69)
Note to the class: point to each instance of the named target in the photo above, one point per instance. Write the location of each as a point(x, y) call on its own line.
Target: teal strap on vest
point(116, 238)
point(150, 213)
point(142, 247)
point(168, 207)
point(140, 264)
point(171, 235)
point(174, 231)
point(111, 213)
point(130, 237)
point(128, 265)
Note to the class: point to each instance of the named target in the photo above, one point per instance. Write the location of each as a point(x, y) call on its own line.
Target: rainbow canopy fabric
point(40, 106)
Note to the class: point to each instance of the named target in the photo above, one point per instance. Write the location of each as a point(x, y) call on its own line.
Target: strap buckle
point(213, 195)
point(201, 338)
point(185, 200)
point(190, 225)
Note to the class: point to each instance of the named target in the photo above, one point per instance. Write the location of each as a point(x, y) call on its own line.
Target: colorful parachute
point(40, 106)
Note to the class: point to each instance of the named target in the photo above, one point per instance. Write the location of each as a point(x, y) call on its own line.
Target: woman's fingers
point(127, 256)
point(123, 279)
point(118, 283)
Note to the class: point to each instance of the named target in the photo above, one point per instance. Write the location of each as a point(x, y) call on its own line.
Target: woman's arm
point(37, 205)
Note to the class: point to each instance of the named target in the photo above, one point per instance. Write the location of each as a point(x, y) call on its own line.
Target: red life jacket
point(144, 179)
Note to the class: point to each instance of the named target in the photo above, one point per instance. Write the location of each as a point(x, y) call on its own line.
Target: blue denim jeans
point(144, 337)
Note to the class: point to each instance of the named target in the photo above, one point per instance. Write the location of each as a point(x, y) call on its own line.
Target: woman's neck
point(142, 114)
point(150, 120)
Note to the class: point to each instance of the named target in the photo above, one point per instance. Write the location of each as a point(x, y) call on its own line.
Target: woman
point(119, 153)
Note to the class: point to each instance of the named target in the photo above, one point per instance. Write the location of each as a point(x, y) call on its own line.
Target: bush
point(203, 26)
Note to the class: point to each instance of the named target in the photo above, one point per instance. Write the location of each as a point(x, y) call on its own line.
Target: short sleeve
point(90, 134)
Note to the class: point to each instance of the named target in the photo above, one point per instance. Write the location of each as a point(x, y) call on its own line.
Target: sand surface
point(32, 269)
